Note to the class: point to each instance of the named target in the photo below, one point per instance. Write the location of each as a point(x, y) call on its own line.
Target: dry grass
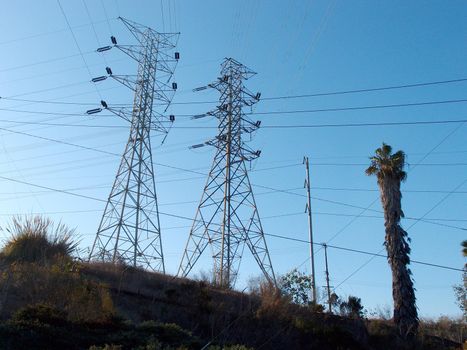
point(36, 239)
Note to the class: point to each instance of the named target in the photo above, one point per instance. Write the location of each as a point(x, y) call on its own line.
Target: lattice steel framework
point(129, 230)
point(227, 217)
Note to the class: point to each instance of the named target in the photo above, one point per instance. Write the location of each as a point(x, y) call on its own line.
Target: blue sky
point(298, 47)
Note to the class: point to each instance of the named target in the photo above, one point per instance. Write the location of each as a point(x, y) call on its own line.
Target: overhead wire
point(182, 169)
point(426, 213)
point(37, 35)
point(298, 126)
point(77, 46)
point(188, 218)
point(106, 17)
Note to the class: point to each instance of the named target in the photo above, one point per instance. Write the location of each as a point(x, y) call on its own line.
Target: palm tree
point(389, 170)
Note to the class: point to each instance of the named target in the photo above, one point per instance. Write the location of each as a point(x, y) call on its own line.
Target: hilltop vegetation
point(48, 300)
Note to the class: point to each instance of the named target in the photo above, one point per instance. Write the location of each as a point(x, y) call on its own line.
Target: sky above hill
point(297, 48)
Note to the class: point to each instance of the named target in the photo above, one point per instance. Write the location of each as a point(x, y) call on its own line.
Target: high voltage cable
point(426, 155)
point(46, 89)
point(307, 95)
point(200, 173)
point(49, 33)
point(419, 122)
point(57, 102)
point(45, 61)
point(340, 109)
point(420, 219)
point(56, 72)
point(77, 46)
point(197, 172)
point(351, 189)
point(187, 218)
point(343, 92)
point(360, 251)
point(358, 207)
point(319, 110)
point(393, 87)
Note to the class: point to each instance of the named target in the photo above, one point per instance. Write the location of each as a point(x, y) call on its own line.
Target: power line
point(420, 219)
point(340, 109)
point(426, 155)
point(382, 88)
point(46, 33)
point(57, 102)
point(361, 251)
point(56, 59)
point(268, 234)
point(344, 92)
point(107, 18)
point(187, 218)
point(201, 173)
point(285, 97)
point(420, 122)
point(77, 46)
point(353, 189)
point(46, 89)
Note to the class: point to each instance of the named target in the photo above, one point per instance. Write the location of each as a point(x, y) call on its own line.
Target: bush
point(40, 313)
point(35, 239)
point(80, 298)
point(170, 333)
point(297, 286)
point(352, 307)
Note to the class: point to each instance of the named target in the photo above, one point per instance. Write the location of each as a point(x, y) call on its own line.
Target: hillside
point(71, 305)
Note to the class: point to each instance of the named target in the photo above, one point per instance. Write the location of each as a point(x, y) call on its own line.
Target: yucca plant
point(37, 239)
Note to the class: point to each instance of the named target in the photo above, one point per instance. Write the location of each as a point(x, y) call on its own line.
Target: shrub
point(40, 313)
point(352, 307)
point(272, 300)
point(35, 239)
point(81, 299)
point(297, 286)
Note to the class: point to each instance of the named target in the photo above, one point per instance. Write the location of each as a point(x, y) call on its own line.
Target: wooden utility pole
point(310, 229)
point(327, 276)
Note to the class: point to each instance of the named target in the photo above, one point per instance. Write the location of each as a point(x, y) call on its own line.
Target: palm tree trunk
point(405, 310)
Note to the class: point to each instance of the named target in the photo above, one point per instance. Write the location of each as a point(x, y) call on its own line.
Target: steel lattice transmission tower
point(129, 230)
point(227, 218)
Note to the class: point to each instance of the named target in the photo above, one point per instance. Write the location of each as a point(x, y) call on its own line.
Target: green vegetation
point(297, 286)
point(352, 307)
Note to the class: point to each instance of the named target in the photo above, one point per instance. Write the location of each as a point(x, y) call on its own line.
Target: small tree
point(352, 307)
point(297, 286)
